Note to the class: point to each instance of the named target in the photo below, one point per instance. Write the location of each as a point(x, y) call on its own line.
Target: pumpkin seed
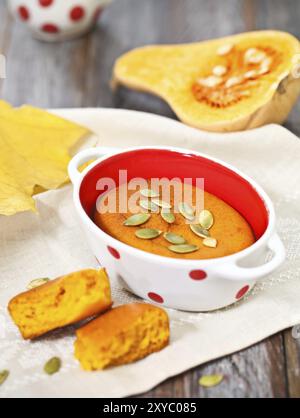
point(219, 70)
point(137, 219)
point(174, 238)
point(210, 81)
point(148, 205)
point(162, 203)
point(168, 216)
point(147, 233)
point(224, 49)
point(183, 248)
point(52, 366)
point(206, 219)
point(37, 283)
point(210, 242)
point(3, 376)
point(198, 230)
point(211, 380)
point(186, 211)
point(149, 193)
point(233, 81)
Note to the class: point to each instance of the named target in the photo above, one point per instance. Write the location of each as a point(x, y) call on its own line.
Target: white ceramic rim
point(264, 239)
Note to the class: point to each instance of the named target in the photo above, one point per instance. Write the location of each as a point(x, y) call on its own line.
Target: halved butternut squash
point(228, 84)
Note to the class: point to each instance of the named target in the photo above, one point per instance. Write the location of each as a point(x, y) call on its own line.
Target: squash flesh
point(171, 73)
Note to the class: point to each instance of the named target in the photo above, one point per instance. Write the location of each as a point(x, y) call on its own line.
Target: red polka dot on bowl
point(46, 3)
point(77, 13)
point(155, 297)
point(23, 12)
point(198, 275)
point(50, 28)
point(115, 253)
point(242, 292)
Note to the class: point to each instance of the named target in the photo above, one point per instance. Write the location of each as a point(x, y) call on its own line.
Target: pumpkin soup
point(174, 227)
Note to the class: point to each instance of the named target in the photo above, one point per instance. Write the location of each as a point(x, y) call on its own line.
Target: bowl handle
point(85, 156)
point(234, 272)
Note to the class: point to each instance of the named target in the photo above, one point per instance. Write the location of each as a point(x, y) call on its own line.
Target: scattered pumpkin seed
point(206, 219)
point(167, 216)
point(210, 380)
point(174, 238)
point(147, 233)
point(198, 230)
point(149, 193)
point(36, 283)
point(3, 376)
point(186, 211)
point(162, 203)
point(137, 219)
point(183, 248)
point(148, 205)
point(210, 242)
point(52, 366)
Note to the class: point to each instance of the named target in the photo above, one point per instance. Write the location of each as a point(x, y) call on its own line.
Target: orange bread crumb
point(122, 335)
point(61, 302)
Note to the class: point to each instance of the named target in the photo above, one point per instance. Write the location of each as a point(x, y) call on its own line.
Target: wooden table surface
point(77, 74)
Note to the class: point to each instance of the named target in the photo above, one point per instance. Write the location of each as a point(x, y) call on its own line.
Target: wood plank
point(258, 372)
point(5, 34)
point(292, 351)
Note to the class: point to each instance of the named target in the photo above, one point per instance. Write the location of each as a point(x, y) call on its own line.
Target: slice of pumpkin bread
point(61, 302)
point(122, 335)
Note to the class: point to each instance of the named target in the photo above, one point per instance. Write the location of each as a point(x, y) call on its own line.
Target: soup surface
point(230, 230)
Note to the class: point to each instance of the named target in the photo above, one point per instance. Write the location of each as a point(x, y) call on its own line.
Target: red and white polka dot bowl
point(57, 20)
point(192, 285)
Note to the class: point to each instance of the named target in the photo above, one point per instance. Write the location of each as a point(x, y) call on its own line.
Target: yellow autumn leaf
point(34, 154)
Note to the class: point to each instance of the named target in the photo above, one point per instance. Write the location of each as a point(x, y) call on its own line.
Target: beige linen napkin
point(51, 243)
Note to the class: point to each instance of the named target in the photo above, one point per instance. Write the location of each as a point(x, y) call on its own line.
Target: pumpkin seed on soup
point(148, 205)
point(162, 203)
point(36, 283)
point(149, 193)
point(183, 248)
point(206, 219)
point(210, 242)
point(167, 216)
point(198, 230)
point(147, 233)
point(3, 376)
point(52, 366)
point(186, 211)
point(174, 238)
point(137, 219)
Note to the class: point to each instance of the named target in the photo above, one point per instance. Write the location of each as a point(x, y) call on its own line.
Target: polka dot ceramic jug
point(56, 20)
